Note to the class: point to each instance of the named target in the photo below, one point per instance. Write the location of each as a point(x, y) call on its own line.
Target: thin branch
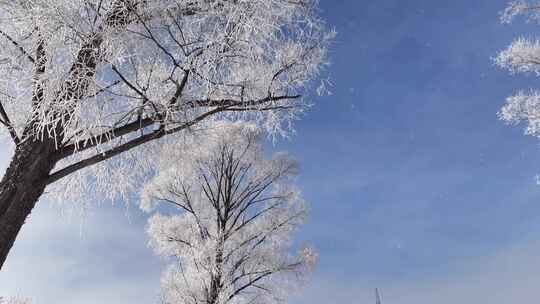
point(232, 102)
point(19, 46)
point(7, 122)
point(94, 141)
point(125, 147)
point(104, 89)
point(225, 105)
point(250, 283)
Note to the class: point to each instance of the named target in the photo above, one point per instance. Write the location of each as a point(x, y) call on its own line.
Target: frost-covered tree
point(15, 300)
point(83, 81)
point(233, 214)
point(522, 56)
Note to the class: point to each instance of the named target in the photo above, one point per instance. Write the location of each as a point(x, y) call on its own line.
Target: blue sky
point(415, 186)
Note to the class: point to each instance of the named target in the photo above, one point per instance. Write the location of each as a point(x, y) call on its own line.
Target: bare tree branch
point(225, 105)
point(18, 46)
point(4, 119)
point(55, 176)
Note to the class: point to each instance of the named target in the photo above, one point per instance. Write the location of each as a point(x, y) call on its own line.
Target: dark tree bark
point(22, 185)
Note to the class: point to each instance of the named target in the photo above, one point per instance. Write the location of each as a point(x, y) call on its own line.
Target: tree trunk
point(22, 185)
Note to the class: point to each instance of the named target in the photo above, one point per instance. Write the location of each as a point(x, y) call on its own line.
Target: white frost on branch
point(515, 8)
point(233, 215)
point(523, 107)
point(244, 51)
point(103, 77)
point(522, 56)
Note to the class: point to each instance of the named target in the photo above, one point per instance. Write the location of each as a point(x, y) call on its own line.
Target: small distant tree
point(229, 231)
point(83, 81)
point(522, 56)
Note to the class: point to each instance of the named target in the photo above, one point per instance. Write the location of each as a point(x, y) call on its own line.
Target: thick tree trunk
point(20, 188)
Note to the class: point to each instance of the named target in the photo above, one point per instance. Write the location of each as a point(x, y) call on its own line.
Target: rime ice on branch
point(234, 213)
point(102, 70)
point(522, 56)
point(83, 81)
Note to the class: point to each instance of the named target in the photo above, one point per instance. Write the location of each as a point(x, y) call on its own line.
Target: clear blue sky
point(415, 186)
